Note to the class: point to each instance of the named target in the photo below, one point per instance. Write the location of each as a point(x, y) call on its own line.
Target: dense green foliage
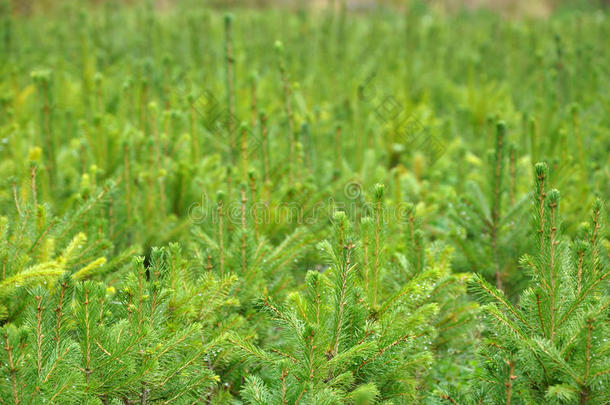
point(311, 205)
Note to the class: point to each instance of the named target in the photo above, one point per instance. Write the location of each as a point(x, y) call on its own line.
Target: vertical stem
point(162, 197)
point(111, 219)
point(342, 297)
point(254, 199)
point(533, 139)
point(15, 198)
point(513, 170)
point(98, 94)
point(59, 313)
point(209, 265)
point(127, 178)
point(265, 146)
point(584, 391)
point(230, 85)
point(541, 177)
point(194, 133)
point(376, 250)
point(243, 230)
point(155, 131)
point(338, 151)
point(365, 259)
point(497, 195)
point(287, 104)
point(39, 335)
point(509, 383)
point(12, 368)
point(220, 237)
point(581, 154)
point(581, 258)
point(143, 98)
point(283, 379)
point(553, 292)
point(593, 240)
point(540, 315)
point(230, 188)
point(253, 102)
point(418, 250)
point(524, 131)
point(244, 151)
point(397, 188)
point(87, 369)
point(144, 396)
point(311, 360)
point(411, 228)
point(34, 194)
point(588, 349)
point(47, 128)
point(540, 75)
point(560, 70)
point(166, 80)
point(149, 189)
point(166, 130)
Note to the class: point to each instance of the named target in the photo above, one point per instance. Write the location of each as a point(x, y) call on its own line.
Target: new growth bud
point(542, 170)
point(379, 191)
point(279, 47)
point(553, 198)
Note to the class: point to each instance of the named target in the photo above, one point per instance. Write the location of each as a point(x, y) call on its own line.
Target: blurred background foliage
point(534, 8)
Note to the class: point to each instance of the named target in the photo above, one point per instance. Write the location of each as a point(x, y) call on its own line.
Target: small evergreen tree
point(490, 220)
point(38, 247)
point(456, 329)
point(336, 347)
point(83, 342)
point(552, 347)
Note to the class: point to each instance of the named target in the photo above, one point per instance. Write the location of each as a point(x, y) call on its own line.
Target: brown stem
point(87, 369)
point(12, 369)
point(144, 396)
point(283, 378)
point(58, 311)
point(540, 314)
point(16, 198)
point(34, 193)
point(584, 391)
point(581, 257)
point(541, 197)
point(509, 383)
point(552, 294)
point(448, 398)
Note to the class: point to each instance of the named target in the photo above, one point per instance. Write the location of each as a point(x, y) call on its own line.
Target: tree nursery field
point(403, 204)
